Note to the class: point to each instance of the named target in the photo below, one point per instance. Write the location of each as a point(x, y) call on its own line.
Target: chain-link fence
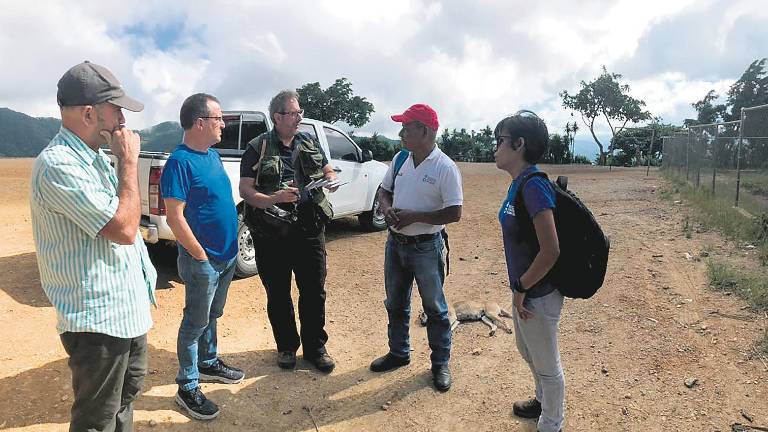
point(752, 171)
point(728, 161)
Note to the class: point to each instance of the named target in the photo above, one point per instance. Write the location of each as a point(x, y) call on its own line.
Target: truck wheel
point(245, 265)
point(373, 220)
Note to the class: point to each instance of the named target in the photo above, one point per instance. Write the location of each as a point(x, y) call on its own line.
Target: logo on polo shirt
point(509, 209)
point(428, 179)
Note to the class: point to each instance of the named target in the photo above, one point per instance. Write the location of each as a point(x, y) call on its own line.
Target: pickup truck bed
point(352, 165)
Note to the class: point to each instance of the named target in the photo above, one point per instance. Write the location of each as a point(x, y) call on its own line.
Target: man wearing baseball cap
point(93, 264)
point(420, 193)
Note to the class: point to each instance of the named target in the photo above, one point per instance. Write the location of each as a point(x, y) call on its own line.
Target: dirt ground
point(627, 352)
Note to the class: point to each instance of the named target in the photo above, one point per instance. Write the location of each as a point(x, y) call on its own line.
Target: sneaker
point(323, 362)
point(196, 404)
point(529, 409)
point(388, 362)
point(286, 359)
point(222, 373)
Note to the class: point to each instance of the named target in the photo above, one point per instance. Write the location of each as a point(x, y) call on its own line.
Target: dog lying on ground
point(489, 313)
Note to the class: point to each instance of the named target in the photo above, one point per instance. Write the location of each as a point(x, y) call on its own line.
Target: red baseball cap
point(420, 112)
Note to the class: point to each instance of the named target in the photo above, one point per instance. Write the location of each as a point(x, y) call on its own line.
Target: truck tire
point(373, 220)
point(245, 265)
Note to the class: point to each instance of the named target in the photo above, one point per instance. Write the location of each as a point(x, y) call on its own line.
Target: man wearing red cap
point(418, 199)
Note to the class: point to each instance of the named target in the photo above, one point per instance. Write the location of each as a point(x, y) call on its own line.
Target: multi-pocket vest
point(269, 168)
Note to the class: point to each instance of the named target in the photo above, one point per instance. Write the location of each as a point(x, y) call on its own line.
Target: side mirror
point(367, 155)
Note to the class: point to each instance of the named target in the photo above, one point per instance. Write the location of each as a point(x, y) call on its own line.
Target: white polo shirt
point(433, 185)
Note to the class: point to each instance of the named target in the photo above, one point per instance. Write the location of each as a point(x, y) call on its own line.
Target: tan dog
point(489, 313)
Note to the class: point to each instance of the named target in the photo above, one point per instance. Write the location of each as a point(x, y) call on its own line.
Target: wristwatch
point(517, 286)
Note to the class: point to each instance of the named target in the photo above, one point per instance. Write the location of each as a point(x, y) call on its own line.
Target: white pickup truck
point(353, 165)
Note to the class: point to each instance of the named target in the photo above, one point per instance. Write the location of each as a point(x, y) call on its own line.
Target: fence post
point(714, 158)
point(738, 157)
point(697, 157)
point(687, 150)
point(650, 153)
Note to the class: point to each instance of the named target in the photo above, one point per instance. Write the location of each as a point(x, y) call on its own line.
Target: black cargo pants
point(303, 255)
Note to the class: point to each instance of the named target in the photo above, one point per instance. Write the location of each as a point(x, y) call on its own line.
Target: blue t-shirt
point(199, 179)
point(538, 196)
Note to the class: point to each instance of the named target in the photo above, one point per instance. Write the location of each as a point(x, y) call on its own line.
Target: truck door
point(346, 159)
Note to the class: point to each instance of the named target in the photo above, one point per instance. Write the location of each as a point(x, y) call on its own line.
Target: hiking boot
point(323, 362)
point(389, 362)
point(196, 404)
point(222, 373)
point(529, 409)
point(286, 359)
point(441, 377)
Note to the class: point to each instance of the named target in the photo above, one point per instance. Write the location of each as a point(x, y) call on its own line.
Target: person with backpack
point(521, 141)
point(420, 193)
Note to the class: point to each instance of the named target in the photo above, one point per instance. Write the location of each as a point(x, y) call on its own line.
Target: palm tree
point(570, 133)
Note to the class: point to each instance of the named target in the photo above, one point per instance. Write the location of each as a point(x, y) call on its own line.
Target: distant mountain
point(163, 137)
point(25, 136)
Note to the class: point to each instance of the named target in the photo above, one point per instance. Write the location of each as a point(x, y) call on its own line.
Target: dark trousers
point(304, 256)
point(107, 373)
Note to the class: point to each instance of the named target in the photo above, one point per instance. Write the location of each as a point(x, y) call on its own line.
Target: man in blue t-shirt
point(202, 215)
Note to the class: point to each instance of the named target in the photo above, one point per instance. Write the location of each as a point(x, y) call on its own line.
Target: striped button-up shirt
point(95, 285)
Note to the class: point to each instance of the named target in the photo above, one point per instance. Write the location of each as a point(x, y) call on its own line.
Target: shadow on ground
point(271, 399)
point(21, 279)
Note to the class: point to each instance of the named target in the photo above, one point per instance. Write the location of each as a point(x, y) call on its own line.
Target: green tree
point(706, 111)
point(336, 103)
point(468, 146)
point(632, 144)
point(382, 148)
point(749, 90)
point(605, 97)
point(581, 159)
point(558, 150)
point(570, 135)
point(457, 144)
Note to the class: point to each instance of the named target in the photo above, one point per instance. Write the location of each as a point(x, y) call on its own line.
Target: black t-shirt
point(251, 158)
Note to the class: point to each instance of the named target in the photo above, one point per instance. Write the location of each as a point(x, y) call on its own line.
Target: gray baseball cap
point(91, 84)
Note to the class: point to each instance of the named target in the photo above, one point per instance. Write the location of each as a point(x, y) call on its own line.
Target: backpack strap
point(524, 221)
point(399, 161)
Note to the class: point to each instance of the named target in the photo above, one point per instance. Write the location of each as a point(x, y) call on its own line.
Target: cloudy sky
point(473, 61)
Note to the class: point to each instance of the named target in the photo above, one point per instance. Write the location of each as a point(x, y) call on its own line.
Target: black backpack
point(580, 268)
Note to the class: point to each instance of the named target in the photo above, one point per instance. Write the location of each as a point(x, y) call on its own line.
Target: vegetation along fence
point(726, 166)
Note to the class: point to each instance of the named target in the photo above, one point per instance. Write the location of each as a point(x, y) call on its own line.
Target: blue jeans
point(206, 285)
point(537, 342)
point(424, 262)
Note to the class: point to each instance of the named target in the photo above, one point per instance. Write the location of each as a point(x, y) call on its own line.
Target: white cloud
point(670, 95)
point(473, 62)
point(166, 80)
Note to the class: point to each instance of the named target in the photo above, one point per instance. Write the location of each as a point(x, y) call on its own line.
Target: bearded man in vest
point(274, 172)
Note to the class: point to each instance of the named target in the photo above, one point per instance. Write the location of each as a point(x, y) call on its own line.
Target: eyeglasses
point(218, 119)
point(298, 113)
point(526, 113)
point(513, 144)
point(500, 139)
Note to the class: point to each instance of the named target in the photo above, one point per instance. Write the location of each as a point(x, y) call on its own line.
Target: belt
point(406, 239)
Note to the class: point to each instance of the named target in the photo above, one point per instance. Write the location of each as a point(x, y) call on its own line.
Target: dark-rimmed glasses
point(298, 113)
point(218, 119)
